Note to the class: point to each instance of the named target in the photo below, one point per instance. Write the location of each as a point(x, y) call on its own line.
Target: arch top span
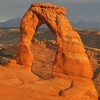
point(47, 6)
point(70, 57)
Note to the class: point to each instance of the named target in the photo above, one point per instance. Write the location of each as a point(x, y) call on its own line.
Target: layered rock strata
point(70, 57)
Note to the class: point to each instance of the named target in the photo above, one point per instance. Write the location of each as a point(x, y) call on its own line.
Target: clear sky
point(88, 10)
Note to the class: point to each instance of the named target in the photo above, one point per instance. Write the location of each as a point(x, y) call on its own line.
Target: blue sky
point(88, 10)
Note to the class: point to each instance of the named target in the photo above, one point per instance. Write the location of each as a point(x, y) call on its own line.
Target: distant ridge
point(11, 23)
point(82, 24)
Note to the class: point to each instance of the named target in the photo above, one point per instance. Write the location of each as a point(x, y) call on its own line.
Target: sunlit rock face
point(71, 57)
point(72, 71)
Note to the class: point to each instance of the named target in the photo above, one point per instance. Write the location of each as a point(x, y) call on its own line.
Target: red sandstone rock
point(71, 62)
point(71, 57)
point(17, 83)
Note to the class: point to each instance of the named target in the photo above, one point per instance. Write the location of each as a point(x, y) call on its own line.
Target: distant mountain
point(11, 23)
point(82, 24)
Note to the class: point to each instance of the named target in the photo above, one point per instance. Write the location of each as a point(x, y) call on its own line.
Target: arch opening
point(44, 51)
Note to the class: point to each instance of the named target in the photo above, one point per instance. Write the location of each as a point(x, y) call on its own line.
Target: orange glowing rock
point(71, 57)
point(71, 70)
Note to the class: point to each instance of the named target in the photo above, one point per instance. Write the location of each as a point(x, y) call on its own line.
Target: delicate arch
point(70, 57)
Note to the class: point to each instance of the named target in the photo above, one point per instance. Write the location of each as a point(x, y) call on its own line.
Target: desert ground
point(44, 51)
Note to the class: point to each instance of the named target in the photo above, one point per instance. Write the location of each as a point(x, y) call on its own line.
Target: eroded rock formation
point(71, 70)
point(71, 57)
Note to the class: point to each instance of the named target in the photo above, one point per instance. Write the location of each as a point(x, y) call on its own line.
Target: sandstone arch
point(71, 57)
